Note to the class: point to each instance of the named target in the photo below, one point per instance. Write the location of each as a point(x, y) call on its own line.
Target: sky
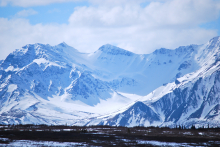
point(140, 26)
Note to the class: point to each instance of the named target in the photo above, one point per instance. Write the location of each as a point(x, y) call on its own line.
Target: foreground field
point(34, 135)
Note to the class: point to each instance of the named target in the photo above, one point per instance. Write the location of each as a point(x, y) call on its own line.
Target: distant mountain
point(137, 115)
point(141, 74)
point(193, 98)
point(58, 85)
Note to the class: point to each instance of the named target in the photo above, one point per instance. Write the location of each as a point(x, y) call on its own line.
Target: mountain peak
point(63, 44)
point(139, 104)
point(217, 38)
point(107, 46)
point(113, 50)
point(214, 42)
point(65, 47)
point(65, 82)
point(30, 52)
point(162, 51)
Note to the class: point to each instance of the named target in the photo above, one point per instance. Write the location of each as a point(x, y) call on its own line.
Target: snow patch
point(12, 87)
point(46, 63)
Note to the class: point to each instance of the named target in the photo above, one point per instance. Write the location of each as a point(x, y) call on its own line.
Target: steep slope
point(48, 71)
point(138, 114)
point(191, 103)
point(191, 99)
point(140, 74)
point(32, 76)
point(58, 85)
point(195, 98)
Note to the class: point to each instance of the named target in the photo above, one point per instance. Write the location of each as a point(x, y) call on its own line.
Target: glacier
point(43, 84)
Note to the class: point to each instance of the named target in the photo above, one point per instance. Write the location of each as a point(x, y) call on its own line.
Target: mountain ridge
point(73, 87)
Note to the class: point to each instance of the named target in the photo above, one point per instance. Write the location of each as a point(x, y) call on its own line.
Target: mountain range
point(43, 84)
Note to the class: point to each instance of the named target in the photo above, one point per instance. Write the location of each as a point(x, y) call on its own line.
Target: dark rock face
point(191, 103)
point(177, 82)
point(34, 79)
point(184, 65)
point(138, 115)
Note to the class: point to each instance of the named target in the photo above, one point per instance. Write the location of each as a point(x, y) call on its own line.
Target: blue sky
point(52, 13)
point(140, 26)
point(212, 25)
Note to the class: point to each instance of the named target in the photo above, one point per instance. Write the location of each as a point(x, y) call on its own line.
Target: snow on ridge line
point(12, 87)
point(87, 84)
point(44, 61)
point(113, 50)
point(11, 68)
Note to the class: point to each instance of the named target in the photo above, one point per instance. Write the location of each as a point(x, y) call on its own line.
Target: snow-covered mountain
point(191, 99)
point(58, 85)
point(140, 74)
point(138, 114)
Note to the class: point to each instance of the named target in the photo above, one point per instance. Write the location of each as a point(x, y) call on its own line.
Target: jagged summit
point(64, 47)
point(57, 84)
point(39, 48)
point(40, 52)
point(181, 49)
point(214, 42)
point(63, 44)
point(113, 50)
point(189, 49)
point(215, 39)
point(137, 115)
point(162, 51)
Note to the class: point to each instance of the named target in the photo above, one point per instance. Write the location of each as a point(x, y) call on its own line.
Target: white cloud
point(168, 24)
point(176, 12)
point(25, 13)
point(160, 24)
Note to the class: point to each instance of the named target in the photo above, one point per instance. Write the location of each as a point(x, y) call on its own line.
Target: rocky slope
point(58, 85)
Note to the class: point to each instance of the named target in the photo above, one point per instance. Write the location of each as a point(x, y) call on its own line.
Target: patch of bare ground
point(108, 136)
